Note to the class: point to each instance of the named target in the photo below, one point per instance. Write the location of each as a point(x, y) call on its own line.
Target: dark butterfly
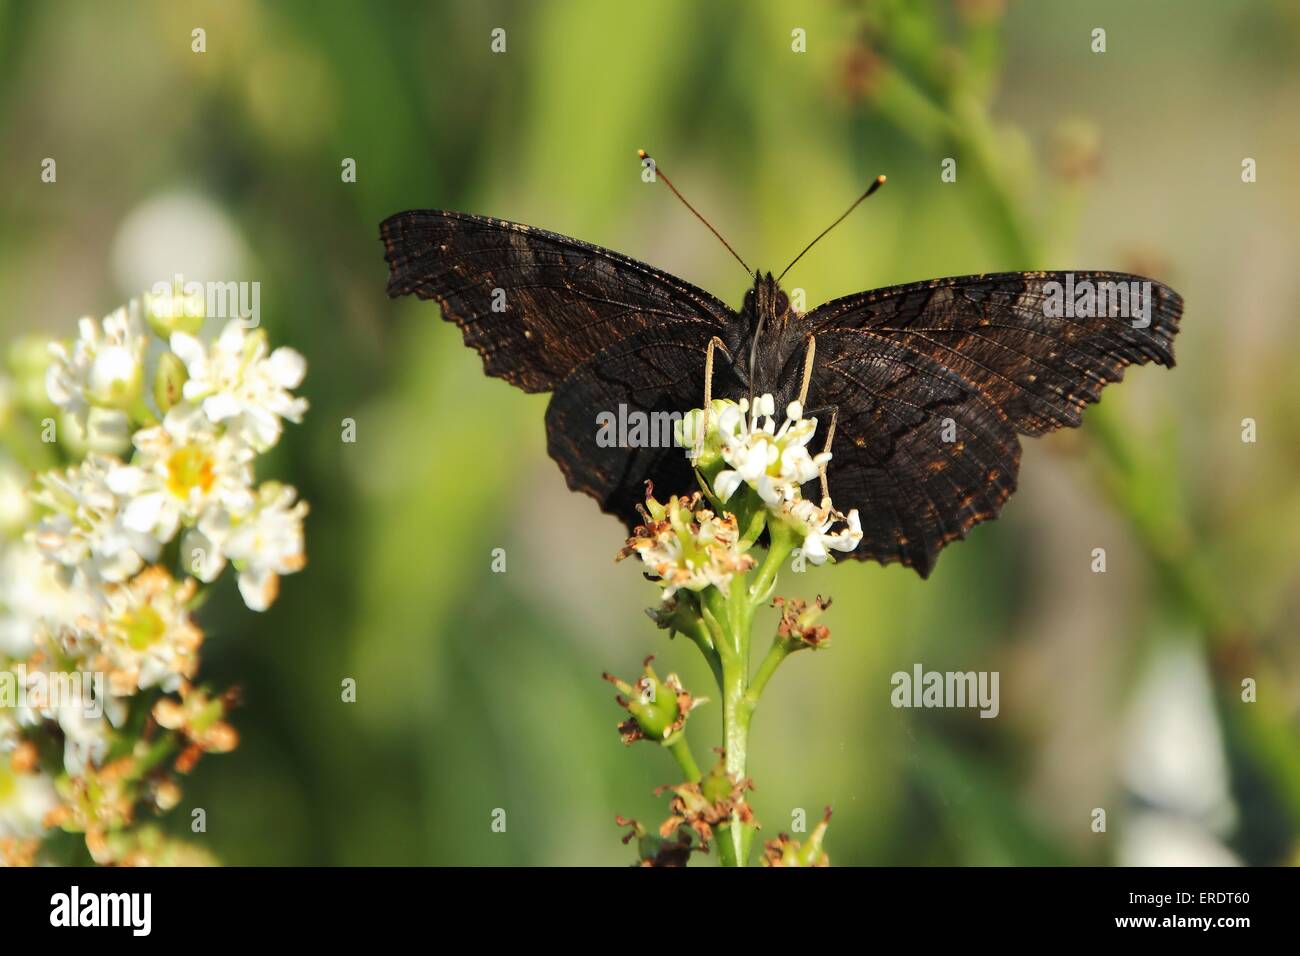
point(928, 384)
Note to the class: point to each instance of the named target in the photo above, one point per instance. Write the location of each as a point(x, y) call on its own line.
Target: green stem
point(162, 748)
point(681, 751)
point(699, 633)
point(737, 618)
point(778, 652)
point(782, 542)
point(735, 735)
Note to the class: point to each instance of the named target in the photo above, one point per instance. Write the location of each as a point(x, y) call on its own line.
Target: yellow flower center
point(141, 627)
point(189, 468)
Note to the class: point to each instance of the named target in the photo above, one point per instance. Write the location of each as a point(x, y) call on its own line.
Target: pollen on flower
point(147, 635)
point(799, 625)
point(686, 545)
point(190, 469)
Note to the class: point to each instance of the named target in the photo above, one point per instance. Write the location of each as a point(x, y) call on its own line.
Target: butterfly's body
point(931, 382)
point(764, 349)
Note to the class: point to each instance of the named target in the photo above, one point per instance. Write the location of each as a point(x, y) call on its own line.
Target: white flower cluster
point(101, 561)
point(774, 462)
point(189, 474)
point(686, 546)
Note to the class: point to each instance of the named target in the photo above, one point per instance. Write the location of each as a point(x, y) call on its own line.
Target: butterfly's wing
point(652, 374)
point(534, 304)
point(550, 313)
point(983, 351)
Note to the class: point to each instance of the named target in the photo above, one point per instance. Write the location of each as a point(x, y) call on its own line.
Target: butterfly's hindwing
point(914, 490)
point(642, 379)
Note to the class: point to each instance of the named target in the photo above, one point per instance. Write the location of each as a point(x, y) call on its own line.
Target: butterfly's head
point(766, 303)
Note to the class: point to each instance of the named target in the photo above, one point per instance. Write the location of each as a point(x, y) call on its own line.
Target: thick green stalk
point(735, 735)
point(729, 617)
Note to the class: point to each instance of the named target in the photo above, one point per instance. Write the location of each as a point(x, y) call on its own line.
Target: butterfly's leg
point(826, 446)
point(807, 370)
point(708, 395)
point(830, 437)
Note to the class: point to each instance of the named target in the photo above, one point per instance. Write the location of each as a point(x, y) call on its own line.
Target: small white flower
point(83, 528)
point(774, 462)
point(183, 469)
point(103, 366)
point(86, 737)
point(200, 554)
point(815, 523)
point(237, 382)
point(264, 544)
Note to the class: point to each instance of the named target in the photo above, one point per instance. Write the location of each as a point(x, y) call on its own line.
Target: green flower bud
point(717, 785)
point(658, 708)
point(786, 852)
point(687, 431)
point(168, 381)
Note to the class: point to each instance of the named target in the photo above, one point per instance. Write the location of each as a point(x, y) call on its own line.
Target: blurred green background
point(479, 691)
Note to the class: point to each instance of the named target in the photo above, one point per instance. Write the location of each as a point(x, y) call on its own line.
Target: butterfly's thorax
point(767, 345)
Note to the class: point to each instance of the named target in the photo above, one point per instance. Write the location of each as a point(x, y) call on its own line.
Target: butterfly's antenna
point(659, 174)
point(876, 184)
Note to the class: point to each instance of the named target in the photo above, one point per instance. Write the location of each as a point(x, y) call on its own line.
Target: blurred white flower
point(184, 468)
point(177, 232)
point(103, 366)
point(15, 506)
point(264, 544)
point(86, 737)
point(238, 381)
point(33, 595)
point(25, 798)
point(147, 636)
point(1174, 763)
point(75, 699)
point(83, 528)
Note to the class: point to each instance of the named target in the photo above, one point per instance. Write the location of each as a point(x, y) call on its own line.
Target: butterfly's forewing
point(981, 350)
point(534, 304)
point(550, 313)
point(649, 374)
